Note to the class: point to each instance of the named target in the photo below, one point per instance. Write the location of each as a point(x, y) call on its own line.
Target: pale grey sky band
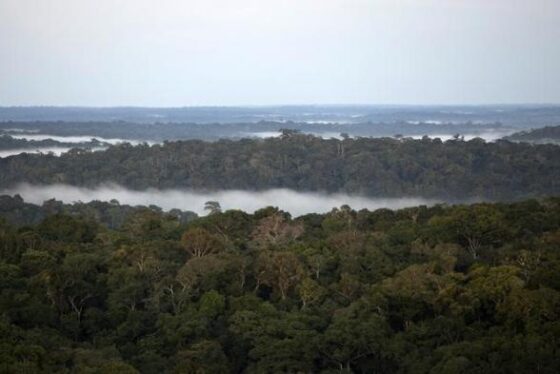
point(259, 52)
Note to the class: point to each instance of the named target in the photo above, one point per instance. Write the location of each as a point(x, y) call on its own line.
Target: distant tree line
point(161, 131)
point(454, 169)
point(9, 142)
point(549, 134)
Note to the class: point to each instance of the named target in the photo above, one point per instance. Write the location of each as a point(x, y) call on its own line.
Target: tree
point(474, 227)
point(280, 270)
point(203, 357)
point(64, 228)
point(354, 340)
point(198, 242)
point(276, 230)
point(202, 273)
point(310, 292)
point(213, 207)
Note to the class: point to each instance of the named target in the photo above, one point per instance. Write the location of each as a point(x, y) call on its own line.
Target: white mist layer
point(489, 136)
point(76, 138)
point(262, 134)
point(13, 152)
point(276, 134)
point(57, 151)
point(296, 203)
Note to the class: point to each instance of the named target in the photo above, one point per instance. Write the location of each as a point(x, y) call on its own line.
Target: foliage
point(446, 289)
point(452, 170)
point(548, 134)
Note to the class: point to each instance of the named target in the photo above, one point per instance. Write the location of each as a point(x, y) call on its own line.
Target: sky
point(276, 52)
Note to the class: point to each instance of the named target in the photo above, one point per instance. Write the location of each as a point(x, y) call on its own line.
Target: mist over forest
point(296, 186)
point(293, 202)
point(286, 239)
point(455, 170)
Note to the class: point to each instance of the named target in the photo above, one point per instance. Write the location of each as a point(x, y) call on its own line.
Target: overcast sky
point(261, 52)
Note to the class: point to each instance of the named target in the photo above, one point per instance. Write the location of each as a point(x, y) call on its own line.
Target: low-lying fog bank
point(297, 203)
point(214, 132)
point(276, 134)
point(76, 138)
point(57, 151)
point(489, 136)
point(13, 152)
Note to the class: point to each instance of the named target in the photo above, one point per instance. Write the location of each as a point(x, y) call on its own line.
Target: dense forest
point(447, 289)
point(549, 134)
point(454, 169)
point(279, 187)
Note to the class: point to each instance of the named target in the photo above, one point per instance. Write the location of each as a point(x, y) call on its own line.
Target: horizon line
point(249, 106)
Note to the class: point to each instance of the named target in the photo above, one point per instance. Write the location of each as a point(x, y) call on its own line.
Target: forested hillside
point(462, 289)
point(454, 169)
point(549, 134)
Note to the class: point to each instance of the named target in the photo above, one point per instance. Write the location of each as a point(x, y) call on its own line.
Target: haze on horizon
point(255, 52)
